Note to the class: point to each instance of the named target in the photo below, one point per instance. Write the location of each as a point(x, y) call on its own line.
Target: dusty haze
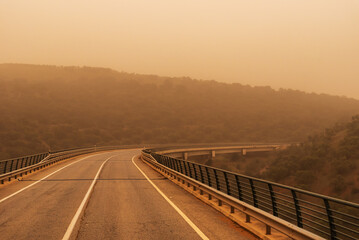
point(307, 45)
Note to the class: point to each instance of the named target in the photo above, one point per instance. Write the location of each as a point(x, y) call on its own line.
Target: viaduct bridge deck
point(106, 196)
point(108, 193)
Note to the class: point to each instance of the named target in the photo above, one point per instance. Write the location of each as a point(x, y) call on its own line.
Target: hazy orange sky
point(311, 45)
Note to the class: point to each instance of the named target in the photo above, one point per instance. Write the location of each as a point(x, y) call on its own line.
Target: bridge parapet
point(184, 153)
point(12, 168)
point(297, 213)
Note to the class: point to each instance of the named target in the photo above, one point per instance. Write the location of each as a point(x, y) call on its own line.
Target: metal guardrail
point(324, 216)
point(13, 164)
point(17, 166)
point(178, 146)
point(14, 167)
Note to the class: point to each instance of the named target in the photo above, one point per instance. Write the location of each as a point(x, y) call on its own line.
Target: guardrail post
point(227, 183)
point(5, 166)
point(330, 219)
point(27, 161)
point(239, 188)
point(297, 209)
point(268, 230)
point(170, 163)
point(189, 170)
point(254, 195)
point(17, 164)
point(248, 218)
point(274, 203)
point(185, 168)
point(24, 162)
point(163, 160)
point(195, 172)
point(201, 173)
point(176, 165)
point(12, 163)
point(208, 177)
point(180, 164)
point(255, 201)
point(217, 181)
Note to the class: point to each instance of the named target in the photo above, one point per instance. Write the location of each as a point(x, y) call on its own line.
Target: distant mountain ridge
point(53, 107)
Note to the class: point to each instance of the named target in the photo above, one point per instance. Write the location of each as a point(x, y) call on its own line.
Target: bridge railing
point(324, 216)
point(13, 164)
point(11, 168)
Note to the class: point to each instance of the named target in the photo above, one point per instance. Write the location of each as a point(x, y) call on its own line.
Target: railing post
point(171, 163)
point(185, 168)
point(165, 161)
point(195, 172)
point(161, 158)
point(12, 163)
point(17, 164)
point(297, 209)
point(330, 219)
point(168, 162)
point(255, 202)
point(274, 203)
point(239, 189)
point(227, 183)
point(189, 170)
point(217, 181)
point(208, 177)
point(180, 164)
point(5, 166)
point(176, 165)
point(201, 173)
point(28, 161)
point(24, 160)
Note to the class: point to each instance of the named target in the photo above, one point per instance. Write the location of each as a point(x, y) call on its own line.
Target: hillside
point(45, 107)
point(327, 163)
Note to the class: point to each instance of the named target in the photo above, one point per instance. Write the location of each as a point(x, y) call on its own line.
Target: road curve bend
point(109, 195)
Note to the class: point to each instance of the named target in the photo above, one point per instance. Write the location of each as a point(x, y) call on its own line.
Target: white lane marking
point(19, 191)
point(198, 231)
point(70, 228)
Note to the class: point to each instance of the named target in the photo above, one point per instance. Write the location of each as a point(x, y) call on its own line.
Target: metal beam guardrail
point(326, 217)
point(10, 165)
point(12, 168)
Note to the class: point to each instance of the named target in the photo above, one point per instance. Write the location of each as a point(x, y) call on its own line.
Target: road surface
point(105, 196)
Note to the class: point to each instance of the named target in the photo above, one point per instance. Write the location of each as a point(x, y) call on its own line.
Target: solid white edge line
point(71, 227)
point(19, 191)
point(195, 228)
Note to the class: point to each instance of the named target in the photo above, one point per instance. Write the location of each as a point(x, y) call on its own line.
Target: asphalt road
point(120, 204)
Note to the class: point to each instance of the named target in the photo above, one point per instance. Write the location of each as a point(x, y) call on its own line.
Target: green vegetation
point(327, 163)
point(45, 107)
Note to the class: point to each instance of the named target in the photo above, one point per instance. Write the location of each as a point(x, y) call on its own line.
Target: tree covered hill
point(49, 107)
point(327, 163)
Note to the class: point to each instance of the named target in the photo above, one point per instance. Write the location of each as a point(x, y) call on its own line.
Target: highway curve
point(120, 204)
